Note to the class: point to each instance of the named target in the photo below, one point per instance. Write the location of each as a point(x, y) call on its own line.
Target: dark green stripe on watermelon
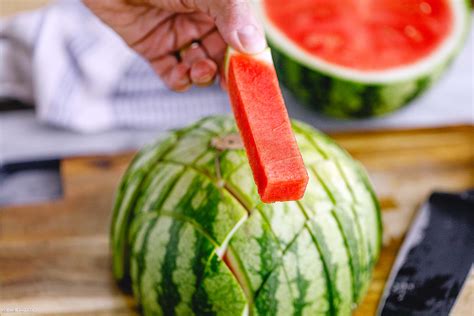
point(355, 250)
point(292, 288)
point(169, 296)
point(288, 227)
point(221, 289)
point(243, 186)
point(174, 266)
point(345, 188)
point(352, 172)
point(137, 255)
point(353, 238)
point(197, 197)
point(200, 299)
point(343, 215)
point(285, 221)
point(272, 297)
point(157, 186)
point(310, 287)
point(378, 213)
point(126, 199)
point(329, 240)
point(256, 250)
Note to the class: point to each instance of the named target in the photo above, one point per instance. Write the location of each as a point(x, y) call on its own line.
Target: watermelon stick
point(264, 125)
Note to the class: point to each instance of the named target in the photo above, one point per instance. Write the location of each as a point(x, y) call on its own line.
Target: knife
point(28, 182)
point(434, 259)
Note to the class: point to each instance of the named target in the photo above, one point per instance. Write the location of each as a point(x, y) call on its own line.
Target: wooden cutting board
point(54, 257)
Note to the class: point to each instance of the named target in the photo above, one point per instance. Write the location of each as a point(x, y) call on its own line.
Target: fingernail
point(182, 88)
point(181, 84)
point(251, 39)
point(205, 78)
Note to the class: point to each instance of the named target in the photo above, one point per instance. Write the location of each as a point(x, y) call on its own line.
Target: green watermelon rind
point(340, 156)
point(337, 96)
point(279, 277)
point(166, 268)
point(132, 183)
point(125, 200)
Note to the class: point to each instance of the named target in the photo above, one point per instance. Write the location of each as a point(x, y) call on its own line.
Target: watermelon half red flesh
point(265, 128)
point(362, 58)
point(367, 35)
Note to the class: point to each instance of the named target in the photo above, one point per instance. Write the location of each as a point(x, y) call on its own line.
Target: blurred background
point(72, 75)
point(69, 86)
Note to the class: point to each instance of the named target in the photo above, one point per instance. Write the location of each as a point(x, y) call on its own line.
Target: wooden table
point(54, 257)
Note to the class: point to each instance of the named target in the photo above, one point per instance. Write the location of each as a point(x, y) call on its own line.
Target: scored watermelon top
point(370, 40)
point(190, 232)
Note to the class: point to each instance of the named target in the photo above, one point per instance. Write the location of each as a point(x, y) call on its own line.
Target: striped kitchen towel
point(80, 75)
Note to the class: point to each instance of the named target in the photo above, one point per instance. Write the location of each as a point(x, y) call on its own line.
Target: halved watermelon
point(265, 127)
point(361, 58)
point(191, 236)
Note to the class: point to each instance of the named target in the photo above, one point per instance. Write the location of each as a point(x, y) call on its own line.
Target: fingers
point(203, 72)
point(164, 65)
point(202, 69)
point(173, 73)
point(194, 67)
point(181, 77)
point(233, 18)
point(178, 78)
point(215, 48)
point(189, 27)
point(192, 54)
point(238, 25)
point(181, 6)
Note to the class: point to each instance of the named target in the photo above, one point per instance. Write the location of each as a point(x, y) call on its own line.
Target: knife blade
point(434, 259)
point(28, 182)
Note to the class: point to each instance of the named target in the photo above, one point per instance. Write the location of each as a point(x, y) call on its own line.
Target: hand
point(184, 40)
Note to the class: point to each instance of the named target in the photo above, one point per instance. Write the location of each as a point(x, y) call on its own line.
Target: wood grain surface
point(12, 7)
point(55, 259)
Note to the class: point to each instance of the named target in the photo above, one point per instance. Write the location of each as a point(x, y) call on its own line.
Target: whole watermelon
point(191, 236)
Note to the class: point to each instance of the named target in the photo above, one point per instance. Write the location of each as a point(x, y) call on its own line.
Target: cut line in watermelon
point(265, 127)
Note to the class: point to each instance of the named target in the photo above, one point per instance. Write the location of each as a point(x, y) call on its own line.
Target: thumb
point(237, 24)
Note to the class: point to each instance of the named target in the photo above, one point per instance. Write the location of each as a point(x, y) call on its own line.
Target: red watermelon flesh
point(265, 128)
point(364, 34)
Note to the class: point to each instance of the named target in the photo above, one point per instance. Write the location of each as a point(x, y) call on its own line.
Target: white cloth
point(82, 76)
